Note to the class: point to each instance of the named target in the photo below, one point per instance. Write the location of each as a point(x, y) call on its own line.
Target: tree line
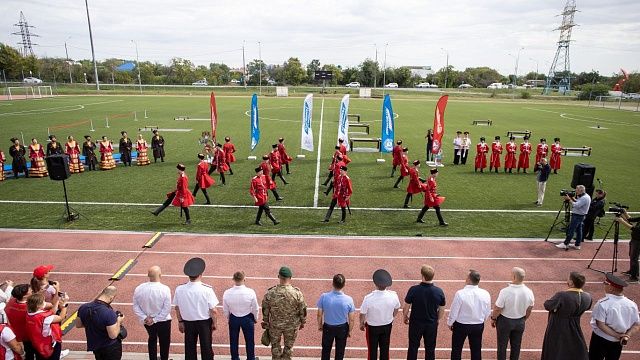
point(292, 72)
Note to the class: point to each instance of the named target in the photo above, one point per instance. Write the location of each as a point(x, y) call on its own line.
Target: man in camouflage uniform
point(284, 312)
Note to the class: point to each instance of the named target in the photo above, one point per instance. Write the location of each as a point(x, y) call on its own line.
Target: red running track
point(85, 261)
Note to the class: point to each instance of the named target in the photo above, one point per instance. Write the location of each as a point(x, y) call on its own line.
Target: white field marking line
point(353, 348)
point(103, 102)
point(564, 115)
point(66, 108)
point(271, 278)
point(317, 180)
point(43, 202)
point(268, 118)
point(307, 237)
point(317, 256)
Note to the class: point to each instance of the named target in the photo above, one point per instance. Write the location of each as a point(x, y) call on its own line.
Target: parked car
point(464, 86)
point(202, 82)
point(496, 86)
point(433, 86)
point(423, 85)
point(353, 84)
point(32, 80)
point(391, 85)
point(271, 82)
point(235, 81)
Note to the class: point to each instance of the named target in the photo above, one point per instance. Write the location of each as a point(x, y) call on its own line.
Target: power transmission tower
point(25, 33)
point(559, 77)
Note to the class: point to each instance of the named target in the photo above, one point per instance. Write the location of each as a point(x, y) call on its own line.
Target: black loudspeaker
point(58, 167)
point(583, 174)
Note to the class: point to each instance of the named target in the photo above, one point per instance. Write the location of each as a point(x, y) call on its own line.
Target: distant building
point(421, 71)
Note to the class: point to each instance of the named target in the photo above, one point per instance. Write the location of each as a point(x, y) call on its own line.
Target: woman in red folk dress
point(432, 198)
point(141, 148)
point(180, 197)
point(203, 179)
point(3, 159)
point(555, 161)
point(229, 150)
point(481, 155)
point(510, 157)
point(106, 155)
point(73, 150)
point(36, 154)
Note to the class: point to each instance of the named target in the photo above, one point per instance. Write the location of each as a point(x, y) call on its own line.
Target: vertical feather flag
point(214, 116)
point(306, 140)
point(438, 124)
point(387, 125)
point(255, 124)
point(343, 121)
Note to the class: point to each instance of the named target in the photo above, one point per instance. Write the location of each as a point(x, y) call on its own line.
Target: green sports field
point(476, 205)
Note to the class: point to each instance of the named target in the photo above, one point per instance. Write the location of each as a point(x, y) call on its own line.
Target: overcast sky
point(473, 32)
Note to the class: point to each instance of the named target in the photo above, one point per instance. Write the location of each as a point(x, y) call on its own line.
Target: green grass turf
point(614, 155)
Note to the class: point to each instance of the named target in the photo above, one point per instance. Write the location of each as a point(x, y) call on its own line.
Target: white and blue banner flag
point(255, 124)
point(343, 121)
point(306, 139)
point(387, 125)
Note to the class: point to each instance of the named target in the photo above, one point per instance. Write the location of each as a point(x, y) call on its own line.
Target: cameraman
point(596, 209)
point(102, 326)
point(634, 244)
point(580, 204)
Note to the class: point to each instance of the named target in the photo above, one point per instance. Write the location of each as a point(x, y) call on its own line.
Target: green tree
point(254, 72)
point(367, 72)
point(181, 72)
point(293, 72)
point(219, 74)
point(592, 91)
point(311, 69)
point(349, 74)
point(337, 73)
point(481, 76)
point(11, 62)
point(402, 76)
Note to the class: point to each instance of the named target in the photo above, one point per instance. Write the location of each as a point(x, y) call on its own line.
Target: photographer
point(580, 204)
point(596, 209)
point(102, 326)
point(634, 245)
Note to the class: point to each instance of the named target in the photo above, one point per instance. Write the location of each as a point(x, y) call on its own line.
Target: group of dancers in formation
point(522, 162)
point(37, 154)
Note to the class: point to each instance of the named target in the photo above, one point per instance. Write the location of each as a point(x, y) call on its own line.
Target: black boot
point(344, 216)
point(406, 200)
point(222, 179)
point(393, 171)
point(186, 216)
point(328, 215)
point(278, 197)
point(439, 215)
point(284, 181)
point(329, 189)
point(270, 216)
point(421, 215)
point(206, 196)
point(395, 186)
point(258, 216)
point(329, 177)
point(287, 167)
point(230, 171)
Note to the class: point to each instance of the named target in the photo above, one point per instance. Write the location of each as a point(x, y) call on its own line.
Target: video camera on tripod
point(618, 209)
point(570, 193)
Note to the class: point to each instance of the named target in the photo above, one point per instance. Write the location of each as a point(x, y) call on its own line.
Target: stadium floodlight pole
point(68, 61)
point(260, 71)
point(384, 69)
point(93, 52)
point(446, 71)
point(138, 66)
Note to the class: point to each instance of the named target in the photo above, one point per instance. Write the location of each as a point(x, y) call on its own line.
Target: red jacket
point(481, 155)
point(221, 161)
point(266, 169)
point(36, 153)
point(430, 189)
point(496, 150)
point(343, 151)
point(72, 148)
point(258, 190)
point(510, 157)
point(106, 149)
point(397, 155)
point(229, 149)
point(274, 161)
point(541, 151)
point(3, 350)
point(523, 159)
point(336, 170)
point(34, 326)
point(284, 157)
point(183, 195)
point(414, 181)
point(404, 165)
point(202, 175)
point(555, 160)
point(343, 191)
point(17, 316)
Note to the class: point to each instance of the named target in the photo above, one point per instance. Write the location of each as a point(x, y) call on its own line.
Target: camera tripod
point(614, 260)
point(564, 221)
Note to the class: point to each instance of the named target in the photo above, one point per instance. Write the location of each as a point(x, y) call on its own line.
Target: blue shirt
point(581, 206)
point(336, 307)
point(96, 316)
point(425, 299)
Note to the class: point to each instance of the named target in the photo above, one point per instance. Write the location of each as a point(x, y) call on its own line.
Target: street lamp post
point(515, 78)
point(375, 71)
point(446, 73)
point(93, 53)
point(68, 61)
point(384, 68)
point(138, 67)
point(260, 70)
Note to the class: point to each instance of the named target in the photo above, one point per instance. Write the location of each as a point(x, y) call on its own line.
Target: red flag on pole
point(214, 116)
point(438, 124)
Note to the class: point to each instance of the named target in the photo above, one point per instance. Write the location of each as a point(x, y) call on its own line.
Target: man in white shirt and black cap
point(152, 306)
point(471, 306)
point(240, 307)
point(196, 311)
point(614, 320)
point(376, 315)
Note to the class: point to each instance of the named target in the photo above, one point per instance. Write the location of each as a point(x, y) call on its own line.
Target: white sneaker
point(561, 246)
point(574, 246)
point(64, 353)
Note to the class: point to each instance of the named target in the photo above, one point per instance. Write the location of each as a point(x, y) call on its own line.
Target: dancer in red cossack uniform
point(343, 150)
point(341, 195)
point(496, 151)
point(432, 198)
point(523, 159)
point(284, 157)
point(259, 191)
point(404, 167)
point(414, 183)
point(481, 155)
point(229, 150)
point(556, 150)
point(510, 158)
point(541, 150)
point(397, 156)
point(336, 173)
point(180, 197)
point(203, 179)
point(276, 164)
point(271, 184)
